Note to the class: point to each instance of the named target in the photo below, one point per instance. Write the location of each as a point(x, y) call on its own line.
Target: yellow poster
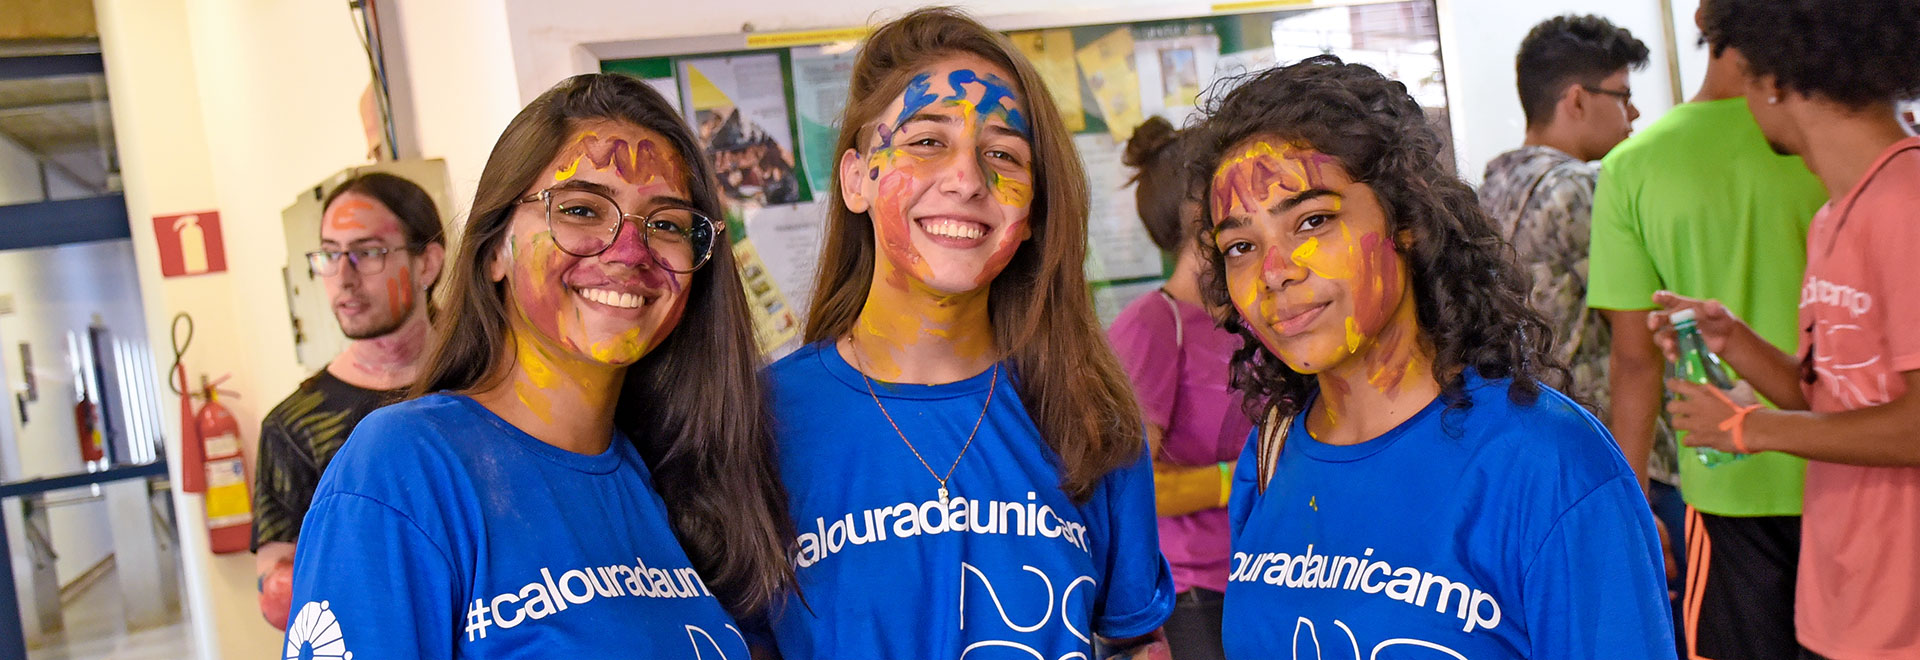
point(1108, 65)
point(773, 320)
point(1051, 52)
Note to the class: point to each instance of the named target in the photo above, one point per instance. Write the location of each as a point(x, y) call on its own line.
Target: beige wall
point(237, 106)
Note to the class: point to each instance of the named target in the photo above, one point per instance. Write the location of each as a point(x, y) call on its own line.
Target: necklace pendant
point(943, 496)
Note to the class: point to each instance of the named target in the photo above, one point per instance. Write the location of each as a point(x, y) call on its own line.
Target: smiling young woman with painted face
point(1413, 484)
point(965, 459)
point(591, 397)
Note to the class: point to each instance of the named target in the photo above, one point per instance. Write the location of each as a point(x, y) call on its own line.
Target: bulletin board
point(766, 108)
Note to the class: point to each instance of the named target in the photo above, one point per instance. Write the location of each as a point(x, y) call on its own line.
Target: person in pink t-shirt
point(1177, 356)
point(1822, 80)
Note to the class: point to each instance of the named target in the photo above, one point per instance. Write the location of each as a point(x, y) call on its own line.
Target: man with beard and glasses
point(381, 246)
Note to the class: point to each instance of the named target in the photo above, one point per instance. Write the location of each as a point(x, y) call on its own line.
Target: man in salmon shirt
point(1822, 80)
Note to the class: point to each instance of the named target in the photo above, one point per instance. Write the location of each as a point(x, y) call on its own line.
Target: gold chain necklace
point(903, 436)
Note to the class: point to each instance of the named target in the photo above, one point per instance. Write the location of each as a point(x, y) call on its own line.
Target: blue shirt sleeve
point(1240, 494)
point(1137, 595)
point(1596, 587)
point(366, 577)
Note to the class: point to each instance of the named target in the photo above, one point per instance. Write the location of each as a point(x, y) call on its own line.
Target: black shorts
point(1738, 602)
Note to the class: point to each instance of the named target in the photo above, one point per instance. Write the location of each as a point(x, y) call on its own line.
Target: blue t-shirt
point(1010, 567)
point(441, 531)
point(1498, 531)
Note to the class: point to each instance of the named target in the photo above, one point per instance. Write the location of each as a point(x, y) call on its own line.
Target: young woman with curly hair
point(1412, 483)
point(1822, 78)
point(966, 461)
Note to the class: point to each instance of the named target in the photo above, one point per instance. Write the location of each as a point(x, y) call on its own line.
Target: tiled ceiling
point(62, 121)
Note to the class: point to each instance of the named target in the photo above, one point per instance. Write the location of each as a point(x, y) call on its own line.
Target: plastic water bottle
point(1698, 365)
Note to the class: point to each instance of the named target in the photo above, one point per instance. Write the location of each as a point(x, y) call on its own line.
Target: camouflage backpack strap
point(1273, 437)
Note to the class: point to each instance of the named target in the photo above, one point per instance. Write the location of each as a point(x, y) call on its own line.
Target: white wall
point(463, 86)
point(238, 106)
point(166, 169)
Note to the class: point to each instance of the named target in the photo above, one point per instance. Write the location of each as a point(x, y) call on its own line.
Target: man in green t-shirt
point(1699, 205)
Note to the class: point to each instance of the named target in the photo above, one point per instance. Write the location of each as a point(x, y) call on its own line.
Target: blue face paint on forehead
point(997, 90)
point(918, 96)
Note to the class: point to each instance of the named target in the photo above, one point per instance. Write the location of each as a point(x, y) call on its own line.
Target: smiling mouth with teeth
point(612, 298)
point(954, 228)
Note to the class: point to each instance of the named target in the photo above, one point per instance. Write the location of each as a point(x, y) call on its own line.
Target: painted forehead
point(356, 212)
point(976, 89)
point(1261, 172)
point(639, 157)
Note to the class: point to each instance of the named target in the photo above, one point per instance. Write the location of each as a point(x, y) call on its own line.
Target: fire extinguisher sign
point(190, 244)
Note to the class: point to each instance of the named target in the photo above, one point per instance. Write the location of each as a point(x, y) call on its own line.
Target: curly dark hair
point(1854, 52)
point(1469, 291)
point(1567, 50)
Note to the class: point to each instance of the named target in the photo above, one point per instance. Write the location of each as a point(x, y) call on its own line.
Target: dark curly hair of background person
point(1468, 290)
point(1853, 52)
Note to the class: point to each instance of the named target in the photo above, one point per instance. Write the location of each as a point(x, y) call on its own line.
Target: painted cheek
point(538, 291)
point(400, 292)
point(672, 319)
point(890, 219)
point(1015, 233)
point(1379, 276)
point(1010, 191)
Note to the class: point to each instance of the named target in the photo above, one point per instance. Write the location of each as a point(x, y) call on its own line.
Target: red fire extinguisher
point(210, 458)
point(84, 421)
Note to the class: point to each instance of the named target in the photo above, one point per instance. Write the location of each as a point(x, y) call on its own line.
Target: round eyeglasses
point(585, 223)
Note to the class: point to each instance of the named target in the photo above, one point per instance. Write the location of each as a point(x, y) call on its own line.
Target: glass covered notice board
point(767, 111)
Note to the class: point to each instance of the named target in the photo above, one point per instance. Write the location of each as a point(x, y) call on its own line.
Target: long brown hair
point(693, 406)
point(1040, 305)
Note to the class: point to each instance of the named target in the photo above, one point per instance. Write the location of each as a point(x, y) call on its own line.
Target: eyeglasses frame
point(380, 252)
point(646, 230)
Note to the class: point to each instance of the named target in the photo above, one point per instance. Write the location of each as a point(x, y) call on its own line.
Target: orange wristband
point(1736, 425)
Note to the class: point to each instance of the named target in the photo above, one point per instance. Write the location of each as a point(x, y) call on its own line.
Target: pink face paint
point(1262, 174)
point(1376, 290)
point(641, 162)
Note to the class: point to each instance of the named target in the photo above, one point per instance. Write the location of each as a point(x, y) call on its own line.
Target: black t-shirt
point(297, 440)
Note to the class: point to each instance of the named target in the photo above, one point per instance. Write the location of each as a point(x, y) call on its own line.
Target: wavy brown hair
point(1042, 315)
point(694, 405)
point(1469, 292)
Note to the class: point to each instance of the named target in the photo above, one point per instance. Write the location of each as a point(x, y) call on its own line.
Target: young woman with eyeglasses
point(966, 461)
point(586, 471)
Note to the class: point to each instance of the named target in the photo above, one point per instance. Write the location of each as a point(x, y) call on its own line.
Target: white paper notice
point(788, 237)
point(1118, 247)
point(1173, 73)
point(819, 96)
